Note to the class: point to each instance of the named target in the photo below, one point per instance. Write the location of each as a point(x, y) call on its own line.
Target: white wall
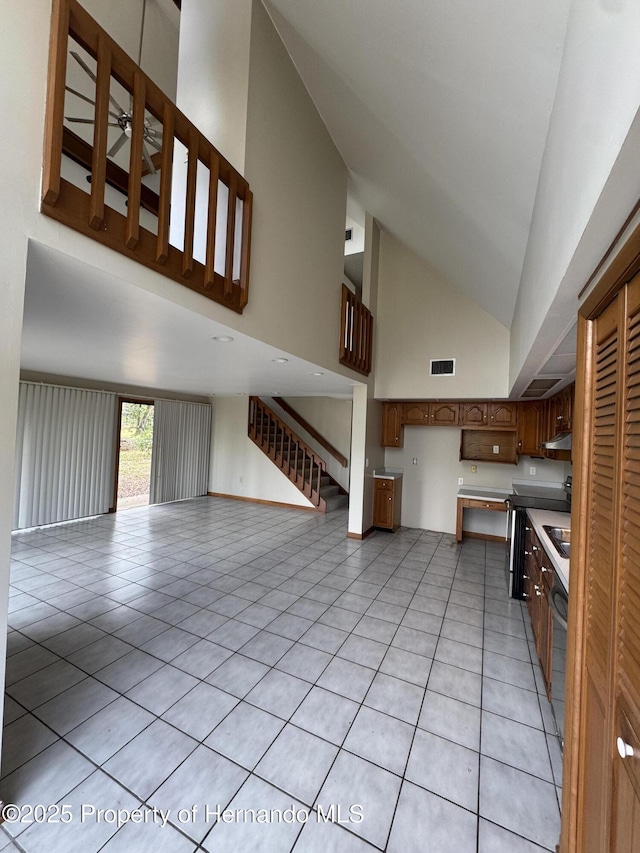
point(430, 488)
point(299, 183)
point(240, 468)
point(596, 101)
point(332, 419)
point(213, 72)
point(423, 316)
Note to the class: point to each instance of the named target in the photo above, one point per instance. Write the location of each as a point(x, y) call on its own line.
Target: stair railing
point(288, 451)
point(157, 130)
point(356, 333)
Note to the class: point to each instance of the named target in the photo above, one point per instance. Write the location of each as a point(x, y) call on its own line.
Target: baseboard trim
point(490, 537)
point(361, 536)
point(260, 501)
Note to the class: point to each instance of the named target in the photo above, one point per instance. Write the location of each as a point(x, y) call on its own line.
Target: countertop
point(538, 518)
point(484, 493)
point(387, 473)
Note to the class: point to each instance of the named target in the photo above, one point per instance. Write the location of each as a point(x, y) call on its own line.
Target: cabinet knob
point(527, 553)
point(538, 593)
point(542, 569)
point(625, 750)
point(527, 528)
point(535, 548)
point(526, 577)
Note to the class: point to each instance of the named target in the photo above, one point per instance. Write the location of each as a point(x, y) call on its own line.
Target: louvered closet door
point(601, 562)
point(626, 804)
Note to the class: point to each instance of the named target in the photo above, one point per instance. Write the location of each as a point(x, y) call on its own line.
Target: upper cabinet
point(530, 426)
point(416, 414)
point(392, 429)
point(503, 414)
point(474, 414)
point(444, 414)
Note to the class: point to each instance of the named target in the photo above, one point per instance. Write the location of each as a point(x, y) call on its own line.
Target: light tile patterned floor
point(213, 653)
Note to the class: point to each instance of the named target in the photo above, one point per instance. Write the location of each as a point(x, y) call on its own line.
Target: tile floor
point(172, 659)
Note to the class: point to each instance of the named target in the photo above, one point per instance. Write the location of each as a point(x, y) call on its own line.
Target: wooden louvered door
point(609, 733)
point(599, 586)
point(625, 818)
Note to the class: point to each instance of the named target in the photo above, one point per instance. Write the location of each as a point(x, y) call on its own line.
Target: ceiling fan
point(121, 117)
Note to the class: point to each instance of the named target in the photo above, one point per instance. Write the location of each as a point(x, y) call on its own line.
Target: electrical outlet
point(474, 469)
point(496, 448)
point(532, 471)
point(460, 481)
point(415, 461)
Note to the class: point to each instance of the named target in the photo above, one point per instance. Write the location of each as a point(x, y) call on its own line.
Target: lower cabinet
point(538, 582)
point(387, 502)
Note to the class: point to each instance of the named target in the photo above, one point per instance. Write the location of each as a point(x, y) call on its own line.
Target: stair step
point(337, 502)
point(328, 491)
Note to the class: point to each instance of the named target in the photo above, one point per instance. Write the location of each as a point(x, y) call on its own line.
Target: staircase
point(303, 467)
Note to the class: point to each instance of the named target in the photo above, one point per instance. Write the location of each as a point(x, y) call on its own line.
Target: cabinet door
point(444, 414)
point(474, 414)
point(416, 414)
point(383, 507)
point(392, 435)
point(529, 429)
point(503, 414)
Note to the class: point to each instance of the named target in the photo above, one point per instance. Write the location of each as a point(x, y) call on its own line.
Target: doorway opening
point(135, 443)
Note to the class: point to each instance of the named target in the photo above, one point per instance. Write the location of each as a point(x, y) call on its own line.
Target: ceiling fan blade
point(152, 132)
point(80, 120)
point(154, 144)
point(147, 159)
point(88, 71)
point(117, 145)
point(88, 100)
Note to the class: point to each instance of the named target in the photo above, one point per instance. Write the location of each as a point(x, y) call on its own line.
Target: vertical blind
point(64, 454)
point(180, 458)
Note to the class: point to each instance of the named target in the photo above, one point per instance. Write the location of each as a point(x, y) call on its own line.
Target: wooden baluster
point(100, 131)
point(135, 161)
point(231, 234)
point(55, 102)
point(214, 176)
point(296, 462)
point(245, 255)
point(190, 204)
point(166, 181)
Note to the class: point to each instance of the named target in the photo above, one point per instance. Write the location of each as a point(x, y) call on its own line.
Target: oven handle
point(556, 592)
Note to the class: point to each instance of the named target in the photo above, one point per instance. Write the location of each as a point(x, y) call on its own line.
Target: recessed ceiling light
point(319, 373)
point(280, 360)
point(222, 339)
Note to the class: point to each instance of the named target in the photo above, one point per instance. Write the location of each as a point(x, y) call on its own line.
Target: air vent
point(442, 367)
point(348, 234)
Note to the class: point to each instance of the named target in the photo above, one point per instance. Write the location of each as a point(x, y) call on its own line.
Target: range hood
point(561, 441)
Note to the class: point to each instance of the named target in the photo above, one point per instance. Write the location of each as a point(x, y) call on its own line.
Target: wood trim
point(135, 162)
point(214, 176)
point(312, 431)
point(166, 181)
point(611, 248)
point(361, 536)
point(260, 501)
point(621, 270)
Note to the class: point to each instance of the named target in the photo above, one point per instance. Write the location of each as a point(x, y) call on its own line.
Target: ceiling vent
point(348, 234)
point(539, 387)
point(442, 367)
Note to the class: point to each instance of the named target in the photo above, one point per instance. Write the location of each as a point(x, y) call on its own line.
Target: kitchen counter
point(540, 517)
point(387, 473)
point(484, 493)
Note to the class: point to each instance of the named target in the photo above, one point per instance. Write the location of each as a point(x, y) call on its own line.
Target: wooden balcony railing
point(280, 443)
point(356, 333)
point(210, 253)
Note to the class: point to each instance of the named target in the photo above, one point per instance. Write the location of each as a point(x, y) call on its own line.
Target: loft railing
point(296, 459)
point(356, 333)
point(191, 222)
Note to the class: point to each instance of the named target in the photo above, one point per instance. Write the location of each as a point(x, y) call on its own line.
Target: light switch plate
point(496, 448)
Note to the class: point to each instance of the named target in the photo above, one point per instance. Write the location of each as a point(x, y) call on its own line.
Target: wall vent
point(348, 234)
point(442, 367)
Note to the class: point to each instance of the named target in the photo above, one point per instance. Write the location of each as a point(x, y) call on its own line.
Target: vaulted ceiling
point(440, 109)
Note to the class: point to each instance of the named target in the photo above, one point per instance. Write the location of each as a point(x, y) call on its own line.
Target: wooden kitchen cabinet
point(444, 414)
point(392, 430)
point(503, 414)
point(387, 502)
point(474, 414)
point(538, 582)
point(530, 426)
point(478, 445)
point(415, 414)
